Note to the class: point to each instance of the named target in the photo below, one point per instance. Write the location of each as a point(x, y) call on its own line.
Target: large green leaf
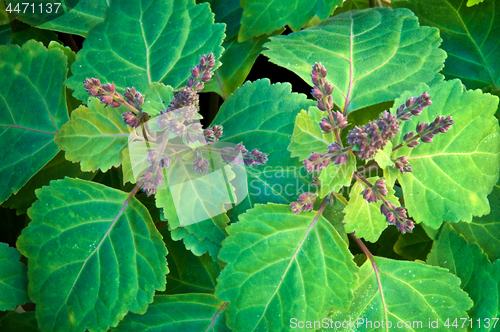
point(470, 37)
point(144, 41)
point(95, 136)
point(183, 312)
point(228, 12)
point(267, 112)
point(283, 266)
point(77, 21)
point(13, 278)
point(372, 55)
point(307, 135)
point(264, 16)
point(412, 292)
point(452, 175)
point(484, 230)
point(93, 254)
point(365, 218)
point(32, 109)
point(471, 265)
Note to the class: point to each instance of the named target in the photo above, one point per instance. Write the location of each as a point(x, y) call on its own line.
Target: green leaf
point(268, 113)
point(363, 52)
point(237, 61)
point(283, 266)
point(471, 265)
point(57, 168)
point(383, 156)
point(228, 12)
point(183, 312)
point(93, 255)
point(158, 98)
point(307, 135)
point(141, 42)
point(334, 177)
point(188, 273)
point(471, 47)
point(483, 230)
point(20, 33)
point(429, 293)
point(79, 20)
point(19, 322)
point(32, 109)
point(95, 136)
point(414, 245)
point(365, 218)
point(13, 279)
point(263, 17)
point(452, 175)
point(348, 5)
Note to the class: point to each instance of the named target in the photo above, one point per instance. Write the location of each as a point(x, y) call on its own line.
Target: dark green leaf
point(13, 279)
point(19, 322)
point(228, 12)
point(414, 245)
point(91, 256)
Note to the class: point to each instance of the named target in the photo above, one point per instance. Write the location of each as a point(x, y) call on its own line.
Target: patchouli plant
point(154, 179)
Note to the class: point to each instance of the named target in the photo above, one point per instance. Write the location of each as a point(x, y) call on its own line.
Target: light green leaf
point(55, 169)
point(348, 5)
point(307, 135)
point(228, 12)
point(470, 38)
point(158, 98)
point(32, 109)
point(283, 266)
point(471, 265)
point(263, 16)
point(141, 42)
point(188, 273)
point(414, 245)
point(183, 312)
point(95, 136)
point(13, 278)
point(429, 293)
point(363, 52)
point(383, 156)
point(78, 20)
point(471, 3)
point(19, 322)
point(365, 218)
point(267, 112)
point(483, 230)
point(237, 61)
point(334, 177)
point(93, 255)
point(452, 175)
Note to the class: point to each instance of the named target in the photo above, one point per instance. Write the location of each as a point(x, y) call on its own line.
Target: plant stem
point(214, 319)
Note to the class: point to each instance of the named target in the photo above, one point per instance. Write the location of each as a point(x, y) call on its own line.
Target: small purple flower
point(200, 165)
point(304, 203)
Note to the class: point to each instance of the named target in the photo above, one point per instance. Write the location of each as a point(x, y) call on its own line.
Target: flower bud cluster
point(322, 89)
point(403, 165)
point(240, 155)
point(396, 216)
point(316, 162)
point(213, 134)
point(339, 157)
point(202, 73)
point(133, 97)
point(413, 106)
point(374, 135)
point(304, 203)
point(370, 194)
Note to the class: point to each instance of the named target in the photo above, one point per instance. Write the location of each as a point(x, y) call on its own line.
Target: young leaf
point(283, 266)
point(365, 218)
point(383, 156)
point(32, 109)
point(158, 98)
point(93, 254)
point(307, 135)
point(141, 42)
point(471, 47)
point(95, 136)
point(483, 230)
point(263, 17)
point(81, 17)
point(363, 52)
point(452, 175)
point(13, 279)
point(430, 293)
point(268, 113)
point(182, 312)
point(471, 265)
point(334, 177)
